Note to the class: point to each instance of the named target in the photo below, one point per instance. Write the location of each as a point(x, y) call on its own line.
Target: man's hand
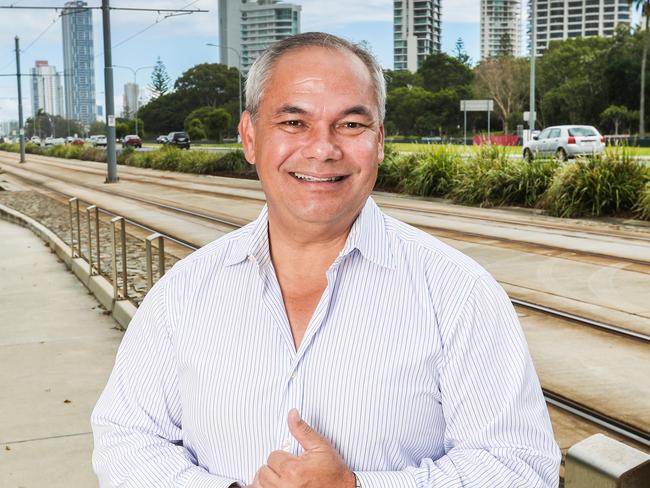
point(319, 466)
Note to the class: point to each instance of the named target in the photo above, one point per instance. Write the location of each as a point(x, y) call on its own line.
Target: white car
point(99, 141)
point(35, 140)
point(564, 142)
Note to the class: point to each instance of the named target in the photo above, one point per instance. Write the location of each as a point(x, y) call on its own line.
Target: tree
point(213, 121)
point(504, 80)
point(97, 127)
point(644, 6)
point(195, 130)
point(400, 79)
point(160, 81)
point(208, 85)
point(440, 71)
point(461, 54)
point(571, 80)
point(617, 115)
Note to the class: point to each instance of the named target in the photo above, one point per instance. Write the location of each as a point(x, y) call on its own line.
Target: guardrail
point(118, 276)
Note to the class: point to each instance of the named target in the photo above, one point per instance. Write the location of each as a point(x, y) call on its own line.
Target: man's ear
point(247, 134)
point(380, 142)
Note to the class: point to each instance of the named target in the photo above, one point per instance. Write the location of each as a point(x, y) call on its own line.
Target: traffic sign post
point(476, 106)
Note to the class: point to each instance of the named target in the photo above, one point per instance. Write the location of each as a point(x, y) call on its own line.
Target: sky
point(138, 38)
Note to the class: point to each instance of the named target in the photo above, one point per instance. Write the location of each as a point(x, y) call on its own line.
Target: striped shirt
point(413, 365)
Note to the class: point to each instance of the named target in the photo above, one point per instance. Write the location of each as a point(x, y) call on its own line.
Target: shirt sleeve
point(498, 432)
point(137, 420)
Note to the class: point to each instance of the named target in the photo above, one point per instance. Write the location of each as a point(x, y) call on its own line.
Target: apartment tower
point(500, 28)
point(564, 19)
point(47, 92)
point(78, 61)
point(416, 32)
point(246, 28)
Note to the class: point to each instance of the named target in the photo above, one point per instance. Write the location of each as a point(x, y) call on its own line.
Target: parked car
point(161, 139)
point(179, 139)
point(35, 140)
point(77, 141)
point(564, 142)
point(99, 140)
point(131, 140)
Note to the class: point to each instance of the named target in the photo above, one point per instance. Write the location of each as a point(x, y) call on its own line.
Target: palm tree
point(644, 6)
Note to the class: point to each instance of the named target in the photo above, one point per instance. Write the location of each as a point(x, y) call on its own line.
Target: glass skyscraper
point(79, 63)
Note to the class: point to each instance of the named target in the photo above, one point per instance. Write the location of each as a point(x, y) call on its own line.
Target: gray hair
point(260, 72)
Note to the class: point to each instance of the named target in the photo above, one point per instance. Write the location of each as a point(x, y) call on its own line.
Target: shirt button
point(286, 445)
point(252, 259)
point(294, 375)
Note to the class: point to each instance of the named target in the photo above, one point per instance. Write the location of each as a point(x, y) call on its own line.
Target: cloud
point(318, 14)
point(466, 11)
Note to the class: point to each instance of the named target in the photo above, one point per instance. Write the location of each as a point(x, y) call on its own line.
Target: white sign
point(22, 132)
point(527, 116)
point(476, 105)
point(111, 120)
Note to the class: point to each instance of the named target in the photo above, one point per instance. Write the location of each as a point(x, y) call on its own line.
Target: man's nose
point(322, 144)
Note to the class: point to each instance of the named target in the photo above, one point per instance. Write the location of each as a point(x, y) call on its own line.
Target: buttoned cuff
point(199, 478)
point(386, 479)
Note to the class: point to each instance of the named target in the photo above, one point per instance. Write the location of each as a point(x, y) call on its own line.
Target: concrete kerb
point(122, 311)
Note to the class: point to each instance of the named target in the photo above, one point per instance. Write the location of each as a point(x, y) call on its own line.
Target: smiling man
point(325, 344)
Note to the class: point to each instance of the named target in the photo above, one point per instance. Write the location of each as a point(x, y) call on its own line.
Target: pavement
point(57, 349)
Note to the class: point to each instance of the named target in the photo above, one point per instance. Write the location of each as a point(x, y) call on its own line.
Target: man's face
point(316, 140)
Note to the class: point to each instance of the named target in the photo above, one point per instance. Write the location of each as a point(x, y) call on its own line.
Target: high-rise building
point(563, 19)
point(416, 32)
point(78, 60)
point(130, 100)
point(500, 28)
point(246, 28)
point(47, 92)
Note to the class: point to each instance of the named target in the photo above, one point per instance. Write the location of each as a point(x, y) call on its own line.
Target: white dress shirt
point(413, 365)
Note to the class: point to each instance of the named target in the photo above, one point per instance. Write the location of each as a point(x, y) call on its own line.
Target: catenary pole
point(533, 55)
point(111, 156)
point(21, 129)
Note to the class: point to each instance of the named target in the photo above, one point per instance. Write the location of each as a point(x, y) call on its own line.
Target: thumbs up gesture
point(319, 466)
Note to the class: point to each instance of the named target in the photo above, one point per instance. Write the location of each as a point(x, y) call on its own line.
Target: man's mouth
point(316, 179)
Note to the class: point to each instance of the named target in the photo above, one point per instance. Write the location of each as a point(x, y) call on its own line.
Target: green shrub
point(595, 186)
point(5, 146)
point(394, 169)
point(433, 173)
point(166, 158)
point(642, 207)
point(493, 178)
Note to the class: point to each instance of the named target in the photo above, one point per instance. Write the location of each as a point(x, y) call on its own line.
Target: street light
point(135, 74)
point(239, 69)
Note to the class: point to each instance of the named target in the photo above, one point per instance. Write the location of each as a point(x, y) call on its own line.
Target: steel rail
point(629, 334)
point(624, 429)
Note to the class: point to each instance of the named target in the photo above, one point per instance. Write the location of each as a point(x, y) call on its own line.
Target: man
point(325, 344)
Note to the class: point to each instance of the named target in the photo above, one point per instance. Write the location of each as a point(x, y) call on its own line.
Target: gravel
point(54, 214)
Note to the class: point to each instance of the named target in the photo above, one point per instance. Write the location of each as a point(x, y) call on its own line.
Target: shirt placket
point(295, 385)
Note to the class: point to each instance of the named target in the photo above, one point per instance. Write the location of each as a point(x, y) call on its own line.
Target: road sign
point(527, 116)
point(476, 105)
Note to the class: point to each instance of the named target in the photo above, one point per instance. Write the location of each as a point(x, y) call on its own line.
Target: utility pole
point(21, 129)
point(111, 156)
point(533, 55)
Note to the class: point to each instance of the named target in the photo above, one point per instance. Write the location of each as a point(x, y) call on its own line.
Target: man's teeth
point(319, 180)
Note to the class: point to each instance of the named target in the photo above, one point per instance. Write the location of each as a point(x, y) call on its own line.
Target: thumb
point(308, 438)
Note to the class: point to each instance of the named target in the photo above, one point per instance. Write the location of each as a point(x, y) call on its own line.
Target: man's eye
point(352, 125)
point(293, 123)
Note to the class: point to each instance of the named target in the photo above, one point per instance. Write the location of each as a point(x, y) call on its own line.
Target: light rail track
point(627, 431)
point(642, 236)
point(630, 432)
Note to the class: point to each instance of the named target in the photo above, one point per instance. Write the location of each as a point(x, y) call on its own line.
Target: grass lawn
point(417, 147)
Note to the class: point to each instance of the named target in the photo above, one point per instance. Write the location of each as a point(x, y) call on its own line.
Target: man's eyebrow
point(357, 110)
point(290, 109)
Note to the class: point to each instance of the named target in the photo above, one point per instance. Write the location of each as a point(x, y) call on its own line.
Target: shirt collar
point(367, 235)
